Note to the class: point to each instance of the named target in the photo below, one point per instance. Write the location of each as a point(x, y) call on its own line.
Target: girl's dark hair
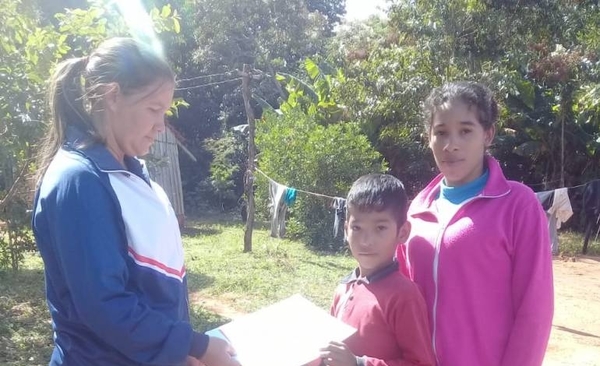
point(471, 93)
point(77, 87)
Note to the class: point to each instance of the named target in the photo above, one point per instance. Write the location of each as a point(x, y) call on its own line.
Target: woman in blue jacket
point(115, 277)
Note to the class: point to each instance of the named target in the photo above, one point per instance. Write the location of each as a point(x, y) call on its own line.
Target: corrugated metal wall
point(163, 166)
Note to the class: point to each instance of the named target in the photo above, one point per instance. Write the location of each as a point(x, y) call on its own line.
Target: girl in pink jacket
point(479, 246)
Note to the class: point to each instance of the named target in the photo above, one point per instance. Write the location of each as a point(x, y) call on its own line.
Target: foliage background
point(359, 84)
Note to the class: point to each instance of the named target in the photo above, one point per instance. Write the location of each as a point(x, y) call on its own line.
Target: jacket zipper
point(129, 174)
point(144, 183)
point(436, 261)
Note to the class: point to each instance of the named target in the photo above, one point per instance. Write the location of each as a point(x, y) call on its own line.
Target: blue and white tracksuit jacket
point(114, 266)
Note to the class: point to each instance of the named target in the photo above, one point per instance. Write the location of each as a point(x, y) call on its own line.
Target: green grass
point(275, 269)
point(25, 330)
point(217, 270)
point(570, 244)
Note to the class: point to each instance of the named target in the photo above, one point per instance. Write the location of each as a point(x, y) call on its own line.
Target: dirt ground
point(575, 338)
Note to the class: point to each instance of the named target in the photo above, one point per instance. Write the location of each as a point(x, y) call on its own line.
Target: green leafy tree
point(30, 49)
point(296, 150)
point(229, 157)
point(333, 10)
point(540, 58)
point(272, 36)
point(28, 53)
point(315, 96)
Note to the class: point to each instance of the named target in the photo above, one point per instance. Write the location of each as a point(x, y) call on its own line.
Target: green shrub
point(15, 236)
point(297, 151)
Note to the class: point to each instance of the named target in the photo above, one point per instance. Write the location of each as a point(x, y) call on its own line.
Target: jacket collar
point(496, 186)
point(84, 144)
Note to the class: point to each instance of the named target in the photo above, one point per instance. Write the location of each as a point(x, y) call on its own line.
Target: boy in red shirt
point(384, 306)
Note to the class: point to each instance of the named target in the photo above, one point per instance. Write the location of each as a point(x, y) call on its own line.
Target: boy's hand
point(219, 353)
point(191, 361)
point(337, 354)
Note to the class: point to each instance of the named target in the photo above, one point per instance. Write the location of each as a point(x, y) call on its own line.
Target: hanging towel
point(546, 199)
point(278, 208)
point(558, 209)
point(561, 206)
point(290, 196)
point(339, 206)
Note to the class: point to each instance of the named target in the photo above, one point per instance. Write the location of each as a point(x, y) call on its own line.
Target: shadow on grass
point(210, 225)
point(199, 229)
point(590, 257)
point(326, 265)
point(25, 328)
point(577, 257)
point(203, 320)
point(223, 218)
point(334, 248)
point(574, 331)
point(198, 281)
point(260, 225)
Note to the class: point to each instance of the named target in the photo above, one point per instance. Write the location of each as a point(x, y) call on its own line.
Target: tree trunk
point(249, 181)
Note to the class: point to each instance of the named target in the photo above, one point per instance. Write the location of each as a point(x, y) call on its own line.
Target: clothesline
point(580, 185)
point(299, 190)
point(205, 77)
point(331, 197)
point(543, 183)
point(539, 184)
point(560, 211)
point(208, 84)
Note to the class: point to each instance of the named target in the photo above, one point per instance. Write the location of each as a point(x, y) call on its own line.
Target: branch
point(13, 189)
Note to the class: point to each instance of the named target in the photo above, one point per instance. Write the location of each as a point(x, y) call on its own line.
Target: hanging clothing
point(591, 211)
point(558, 209)
point(546, 198)
point(278, 208)
point(290, 196)
point(561, 206)
point(591, 199)
point(339, 205)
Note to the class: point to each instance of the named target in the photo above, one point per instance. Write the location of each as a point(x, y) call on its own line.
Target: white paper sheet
point(287, 333)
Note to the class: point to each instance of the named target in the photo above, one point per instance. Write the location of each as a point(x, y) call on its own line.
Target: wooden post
point(249, 176)
point(562, 147)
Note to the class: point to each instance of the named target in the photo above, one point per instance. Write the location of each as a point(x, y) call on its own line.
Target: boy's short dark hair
point(378, 192)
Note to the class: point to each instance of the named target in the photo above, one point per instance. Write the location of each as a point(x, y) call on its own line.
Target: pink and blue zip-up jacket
point(486, 275)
